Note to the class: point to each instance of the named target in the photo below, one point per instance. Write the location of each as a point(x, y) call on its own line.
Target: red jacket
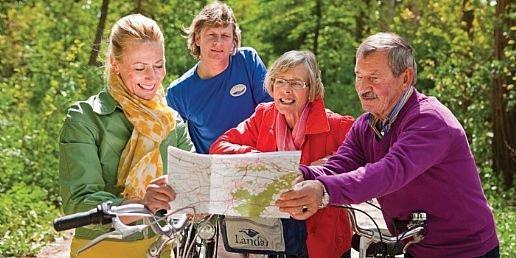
point(329, 230)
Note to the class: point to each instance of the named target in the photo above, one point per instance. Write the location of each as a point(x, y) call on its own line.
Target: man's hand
point(158, 194)
point(303, 200)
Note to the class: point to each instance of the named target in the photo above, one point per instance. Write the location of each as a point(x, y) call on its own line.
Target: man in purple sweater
point(408, 151)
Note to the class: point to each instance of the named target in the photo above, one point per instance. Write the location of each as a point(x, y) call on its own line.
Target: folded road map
point(244, 185)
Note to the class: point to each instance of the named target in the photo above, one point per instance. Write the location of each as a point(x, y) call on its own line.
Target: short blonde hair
point(216, 14)
point(290, 60)
point(129, 29)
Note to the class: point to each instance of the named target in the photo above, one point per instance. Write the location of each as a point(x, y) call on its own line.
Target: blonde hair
point(216, 14)
point(129, 29)
point(290, 60)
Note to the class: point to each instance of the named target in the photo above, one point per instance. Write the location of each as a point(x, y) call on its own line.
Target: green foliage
point(25, 216)
point(45, 48)
point(324, 27)
point(452, 63)
point(506, 224)
point(173, 18)
point(44, 56)
point(504, 207)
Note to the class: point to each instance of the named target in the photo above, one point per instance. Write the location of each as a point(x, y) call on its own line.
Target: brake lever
point(122, 231)
point(128, 214)
point(415, 239)
point(98, 240)
point(158, 245)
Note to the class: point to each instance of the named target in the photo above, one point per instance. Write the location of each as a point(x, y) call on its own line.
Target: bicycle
point(376, 242)
point(193, 237)
point(199, 238)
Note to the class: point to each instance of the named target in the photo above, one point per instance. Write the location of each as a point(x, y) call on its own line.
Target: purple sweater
point(423, 163)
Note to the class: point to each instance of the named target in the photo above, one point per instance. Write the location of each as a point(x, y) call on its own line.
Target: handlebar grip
point(97, 215)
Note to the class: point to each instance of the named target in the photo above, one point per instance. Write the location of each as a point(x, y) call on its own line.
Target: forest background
point(51, 54)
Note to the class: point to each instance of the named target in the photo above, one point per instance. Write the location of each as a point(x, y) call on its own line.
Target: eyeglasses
point(295, 84)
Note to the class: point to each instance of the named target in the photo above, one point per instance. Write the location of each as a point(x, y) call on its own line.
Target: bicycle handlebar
point(106, 213)
point(97, 215)
point(414, 233)
point(377, 235)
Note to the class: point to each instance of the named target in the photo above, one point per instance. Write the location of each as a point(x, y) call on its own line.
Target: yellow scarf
point(140, 161)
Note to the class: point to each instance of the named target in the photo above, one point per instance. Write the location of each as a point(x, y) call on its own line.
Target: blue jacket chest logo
point(238, 90)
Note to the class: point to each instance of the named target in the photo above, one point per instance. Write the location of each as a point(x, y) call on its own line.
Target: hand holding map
point(244, 185)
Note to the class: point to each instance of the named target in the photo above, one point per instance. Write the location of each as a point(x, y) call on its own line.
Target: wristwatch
point(325, 198)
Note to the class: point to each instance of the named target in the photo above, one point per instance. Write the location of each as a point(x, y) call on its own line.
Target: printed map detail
point(244, 185)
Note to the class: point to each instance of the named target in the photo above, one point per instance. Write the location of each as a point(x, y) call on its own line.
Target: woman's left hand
point(158, 195)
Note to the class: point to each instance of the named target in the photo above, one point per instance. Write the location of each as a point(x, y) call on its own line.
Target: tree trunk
point(385, 25)
point(468, 16)
point(504, 124)
point(98, 36)
point(360, 23)
point(138, 6)
point(318, 18)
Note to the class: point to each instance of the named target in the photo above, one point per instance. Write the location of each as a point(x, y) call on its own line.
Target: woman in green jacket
point(113, 146)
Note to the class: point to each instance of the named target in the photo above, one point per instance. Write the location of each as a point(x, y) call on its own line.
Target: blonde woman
point(113, 145)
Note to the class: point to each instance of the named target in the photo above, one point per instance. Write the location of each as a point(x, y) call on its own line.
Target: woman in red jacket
point(297, 120)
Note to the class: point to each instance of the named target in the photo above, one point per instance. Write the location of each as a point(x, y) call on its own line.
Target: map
point(244, 185)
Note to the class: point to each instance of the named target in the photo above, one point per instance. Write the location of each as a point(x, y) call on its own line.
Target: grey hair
point(213, 15)
point(292, 59)
point(401, 55)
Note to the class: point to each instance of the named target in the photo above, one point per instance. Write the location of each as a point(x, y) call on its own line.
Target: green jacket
point(93, 137)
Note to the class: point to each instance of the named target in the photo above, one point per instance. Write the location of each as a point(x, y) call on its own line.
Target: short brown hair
point(213, 15)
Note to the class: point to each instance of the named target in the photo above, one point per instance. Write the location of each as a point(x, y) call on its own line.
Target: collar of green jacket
point(103, 103)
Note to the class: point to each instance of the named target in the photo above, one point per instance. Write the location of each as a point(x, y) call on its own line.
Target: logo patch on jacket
point(238, 90)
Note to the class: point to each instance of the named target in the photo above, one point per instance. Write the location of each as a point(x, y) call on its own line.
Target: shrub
point(25, 220)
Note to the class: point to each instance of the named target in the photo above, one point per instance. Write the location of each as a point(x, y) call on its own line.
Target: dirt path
point(58, 249)
point(61, 247)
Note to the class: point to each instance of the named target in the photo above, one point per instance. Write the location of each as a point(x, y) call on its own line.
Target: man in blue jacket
point(225, 86)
